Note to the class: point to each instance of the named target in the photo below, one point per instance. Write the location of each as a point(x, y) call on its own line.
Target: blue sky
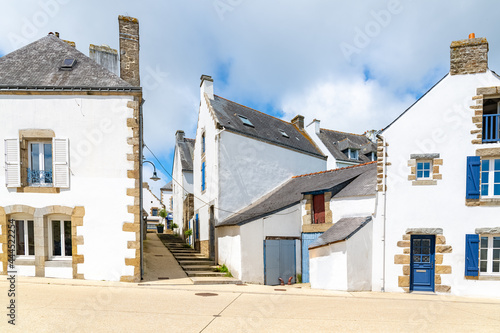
point(354, 65)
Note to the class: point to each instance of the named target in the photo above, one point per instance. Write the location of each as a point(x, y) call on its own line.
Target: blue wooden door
point(279, 260)
point(307, 239)
point(422, 263)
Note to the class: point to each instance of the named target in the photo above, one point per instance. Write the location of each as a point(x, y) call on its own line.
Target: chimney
point(129, 49)
point(469, 56)
point(105, 56)
point(179, 135)
point(298, 121)
point(207, 86)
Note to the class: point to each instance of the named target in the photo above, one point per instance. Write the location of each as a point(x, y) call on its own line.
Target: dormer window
point(371, 156)
point(283, 133)
point(245, 121)
point(352, 154)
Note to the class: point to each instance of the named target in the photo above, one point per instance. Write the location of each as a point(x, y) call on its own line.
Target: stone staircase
point(200, 269)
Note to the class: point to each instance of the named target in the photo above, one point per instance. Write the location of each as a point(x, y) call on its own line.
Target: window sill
point(33, 189)
point(484, 278)
point(59, 263)
point(483, 202)
point(24, 262)
point(424, 182)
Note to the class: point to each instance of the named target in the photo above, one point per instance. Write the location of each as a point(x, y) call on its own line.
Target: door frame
point(431, 264)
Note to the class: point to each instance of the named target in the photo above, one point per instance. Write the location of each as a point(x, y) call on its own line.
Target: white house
point(343, 149)
point(438, 226)
point(182, 185)
point(152, 206)
point(240, 154)
point(269, 239)
point(71, 185)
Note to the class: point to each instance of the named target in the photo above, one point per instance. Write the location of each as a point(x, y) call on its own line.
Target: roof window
point(245, 121)
point(283, 133)
point(68, 64)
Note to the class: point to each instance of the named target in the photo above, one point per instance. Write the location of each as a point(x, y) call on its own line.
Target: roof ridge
point(289, 123)
point(332, 170)
point(326, 129)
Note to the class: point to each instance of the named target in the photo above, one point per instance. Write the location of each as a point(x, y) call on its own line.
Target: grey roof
point(185, 147)
point(343, 229)
point(336, 142)
point(265, 127)
point(38, 65)
point(167, 187)
point(358, 180)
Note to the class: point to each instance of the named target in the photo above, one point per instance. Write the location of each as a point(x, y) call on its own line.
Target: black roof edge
point(256, 217)
point(69, 88)
point(368, 219)
point(418, 100)
point(274, 142)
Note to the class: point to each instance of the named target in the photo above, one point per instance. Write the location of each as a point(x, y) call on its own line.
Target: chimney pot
point(472, 35)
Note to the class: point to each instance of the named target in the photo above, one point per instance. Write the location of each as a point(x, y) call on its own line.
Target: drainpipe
point(141, 227)
point(384, 206)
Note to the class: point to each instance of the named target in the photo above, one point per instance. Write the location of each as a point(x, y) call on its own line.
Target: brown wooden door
point(319, 208)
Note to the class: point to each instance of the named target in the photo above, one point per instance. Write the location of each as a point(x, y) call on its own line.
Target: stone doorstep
point(205, 274)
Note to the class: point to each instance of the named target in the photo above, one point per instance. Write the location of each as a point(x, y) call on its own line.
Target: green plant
point(224, 269)
point(188, 232)
point(174, 226)
point(299, 278)
point(163, 213)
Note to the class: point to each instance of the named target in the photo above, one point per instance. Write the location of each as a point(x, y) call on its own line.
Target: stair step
point(205, 274)
point(201, 268)
point(215, 280)
point(196, 262)
point(184, 257)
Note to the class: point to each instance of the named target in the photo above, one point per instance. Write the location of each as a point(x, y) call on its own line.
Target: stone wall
point(129, 49)
point(469, 56)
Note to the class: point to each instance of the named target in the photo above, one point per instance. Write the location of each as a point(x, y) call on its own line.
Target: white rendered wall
point(439, 123)
point(359, 259)
point(311, 129)
point(352, 206)
point(250, 168)
point(328, 267)
point(182, 184)
point(149, 200)
point(229, 249)
point(97, 133)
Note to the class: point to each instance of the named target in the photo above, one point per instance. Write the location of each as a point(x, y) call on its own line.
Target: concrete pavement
point(57, 305)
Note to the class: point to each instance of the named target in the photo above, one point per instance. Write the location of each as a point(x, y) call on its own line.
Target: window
point(371, 156)
point(352, 154)
point(490, 177)
point(283, 133)
point(489, 255)
point(25, 238)
point(40, 164)
point(319, 208)
point(154, 211)
point(424, 170)
point(203, 176)
point(245, 121)
point(60, 238)
point(491, 120)
point(203, 143)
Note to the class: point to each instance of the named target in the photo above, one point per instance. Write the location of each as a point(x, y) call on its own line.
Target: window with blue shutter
point(197, 228)
point(473, 171)
point(471, 255)
point(203, 176)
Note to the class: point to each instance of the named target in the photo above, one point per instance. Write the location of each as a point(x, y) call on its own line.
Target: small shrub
point(188, 232)
point(299, 278)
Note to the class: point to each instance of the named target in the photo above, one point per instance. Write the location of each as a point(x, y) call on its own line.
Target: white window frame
point(491, 178)
point(489, 256)
point(61, 219)
point(423, 170)
point(26, 237)
point(41, 160)
point(350, 152)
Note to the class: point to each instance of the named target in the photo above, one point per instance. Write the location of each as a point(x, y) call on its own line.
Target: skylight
point(245, 121)
point(283, 133)
point(68, 64)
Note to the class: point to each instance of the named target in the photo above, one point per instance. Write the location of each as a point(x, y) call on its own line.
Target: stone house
point(239, 155)
point(182, 185)
point(343, 149)
point(71, 135)
point(270, 238)
point(438, 185)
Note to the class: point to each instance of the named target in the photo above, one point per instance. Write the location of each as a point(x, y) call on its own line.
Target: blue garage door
point(307, 239)
point(279, 260)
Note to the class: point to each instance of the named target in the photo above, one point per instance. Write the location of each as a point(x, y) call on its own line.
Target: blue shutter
point(203, 176)
point(473, 170)
point(197, 228)
point(471, 255)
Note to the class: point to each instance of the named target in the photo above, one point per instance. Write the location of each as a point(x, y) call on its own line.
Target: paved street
point(55, 305)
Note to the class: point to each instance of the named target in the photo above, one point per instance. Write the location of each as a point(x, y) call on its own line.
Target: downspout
point(141, 227)
point(384, 207)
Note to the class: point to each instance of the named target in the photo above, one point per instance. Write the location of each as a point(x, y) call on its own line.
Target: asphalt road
point(56, 305)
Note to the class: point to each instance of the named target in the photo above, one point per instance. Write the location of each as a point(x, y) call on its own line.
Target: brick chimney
point(469, 56)
point(207, 86)
point(105, 56)
point(129, 49)
point(298, 121)
point(179, 135)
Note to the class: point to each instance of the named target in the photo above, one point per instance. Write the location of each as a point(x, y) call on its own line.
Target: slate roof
point(167, 187)
point(37, 66)
point(358, 180)
point(186, 151)
point(265, 127)
point(336, 142)
point(342, 230)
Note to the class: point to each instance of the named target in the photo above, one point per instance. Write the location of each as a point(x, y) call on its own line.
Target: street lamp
point(155, 176)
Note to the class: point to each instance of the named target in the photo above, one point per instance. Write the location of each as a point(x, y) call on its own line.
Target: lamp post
point(143, 218)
